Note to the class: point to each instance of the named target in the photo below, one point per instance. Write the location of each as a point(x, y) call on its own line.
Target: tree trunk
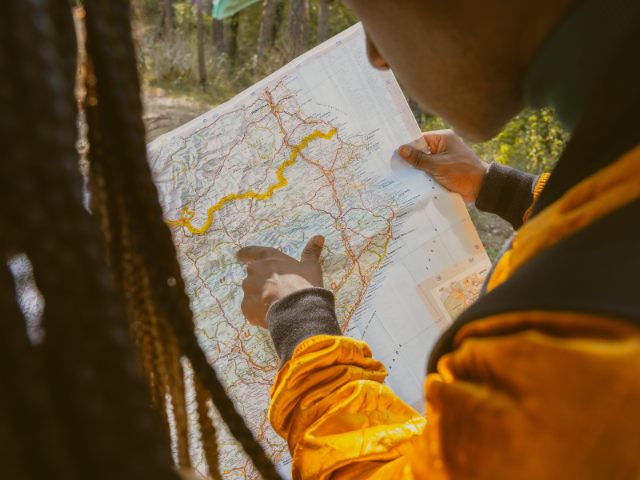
point(168, 17)
point(217, 33)
point(297, 29)
point(323, 21)
point(269, 8)
point(232, 46)
point(202, 74)
point(306, 27)
point(279, 21)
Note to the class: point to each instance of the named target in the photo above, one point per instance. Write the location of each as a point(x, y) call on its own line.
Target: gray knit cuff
point(507, 192)
point(301, 315)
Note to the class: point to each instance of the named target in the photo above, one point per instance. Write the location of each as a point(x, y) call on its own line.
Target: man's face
point(463, 60)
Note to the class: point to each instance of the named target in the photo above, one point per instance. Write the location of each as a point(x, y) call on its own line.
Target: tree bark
point(232, 46)
point(202, 74)
point(168, 17)
point(323, 21)
point(306, 26)
point(217, 33)
point(279, 21)
point(297, 29)
point(269, 8)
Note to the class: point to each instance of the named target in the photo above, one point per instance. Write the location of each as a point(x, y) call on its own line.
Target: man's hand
point(272, 275)
point(451, 162)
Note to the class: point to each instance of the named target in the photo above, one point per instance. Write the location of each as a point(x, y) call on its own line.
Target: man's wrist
point(300, 315)
point(507, 192)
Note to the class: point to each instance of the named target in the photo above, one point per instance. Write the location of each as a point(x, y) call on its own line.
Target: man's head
point(464, 60)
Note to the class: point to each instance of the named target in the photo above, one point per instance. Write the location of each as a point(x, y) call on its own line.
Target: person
point(540, 378)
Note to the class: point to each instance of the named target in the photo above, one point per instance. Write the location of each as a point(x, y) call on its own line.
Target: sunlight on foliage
point(531, 142)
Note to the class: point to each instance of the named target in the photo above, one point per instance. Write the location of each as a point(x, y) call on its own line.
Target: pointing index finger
point(248, 254)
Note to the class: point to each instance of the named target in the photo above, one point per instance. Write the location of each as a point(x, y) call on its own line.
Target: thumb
point(311, 253)
point(419, 159)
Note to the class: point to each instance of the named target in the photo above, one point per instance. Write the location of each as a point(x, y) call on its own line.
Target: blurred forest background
point(188, 56)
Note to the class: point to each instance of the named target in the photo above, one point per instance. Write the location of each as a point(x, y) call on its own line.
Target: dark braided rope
point(176, 385)
point(207, 429)
point(20, 404)
point(144, 320)
point(37, 433)
point(13, 441)
point(11, 458)
point(111, 216)
point(97, 387)
point(64, 40)
point(124, 163)
point(154, 351)
point(105, 402)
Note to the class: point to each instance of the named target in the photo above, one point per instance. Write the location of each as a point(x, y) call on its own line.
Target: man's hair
point(77, 405)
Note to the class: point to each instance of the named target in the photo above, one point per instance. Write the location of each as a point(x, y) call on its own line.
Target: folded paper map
point(312, 149)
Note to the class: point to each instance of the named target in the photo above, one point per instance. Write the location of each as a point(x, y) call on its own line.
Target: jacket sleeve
point(328, 400)
point(509, 193)
point(340, 421)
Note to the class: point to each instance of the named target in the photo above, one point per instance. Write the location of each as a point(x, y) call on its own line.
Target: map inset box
point(450, 292)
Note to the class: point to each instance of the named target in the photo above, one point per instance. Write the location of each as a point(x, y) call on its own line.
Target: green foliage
point(185, 16)
point(531, 142)
point(340, 18)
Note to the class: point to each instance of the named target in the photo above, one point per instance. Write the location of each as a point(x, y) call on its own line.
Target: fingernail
point(319, 241)
point(405, 151)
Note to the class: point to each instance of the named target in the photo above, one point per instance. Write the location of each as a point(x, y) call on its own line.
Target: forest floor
point(163, 113)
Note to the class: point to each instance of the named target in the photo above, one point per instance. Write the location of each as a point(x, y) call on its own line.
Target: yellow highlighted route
point(282, 181)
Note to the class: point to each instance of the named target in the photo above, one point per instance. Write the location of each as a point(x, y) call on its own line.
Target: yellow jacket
point(511, 401)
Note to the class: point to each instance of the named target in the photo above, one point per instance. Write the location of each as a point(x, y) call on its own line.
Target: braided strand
point(126, 170)
point(207, 428)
